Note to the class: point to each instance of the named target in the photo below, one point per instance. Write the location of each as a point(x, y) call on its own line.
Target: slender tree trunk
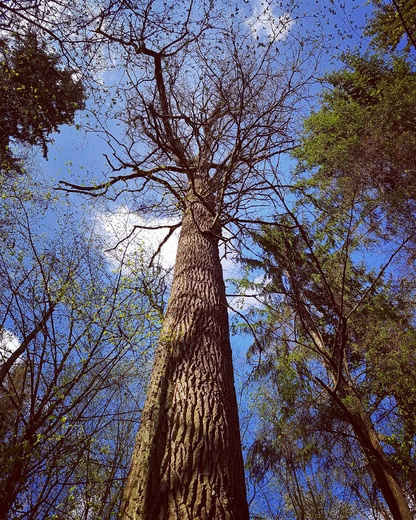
point(384, 474)
point(360, 420)
point(187, 462)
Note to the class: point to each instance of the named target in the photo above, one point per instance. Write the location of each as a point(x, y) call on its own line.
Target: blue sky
point(78, 156)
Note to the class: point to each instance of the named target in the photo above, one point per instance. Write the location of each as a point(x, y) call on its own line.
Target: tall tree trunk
point(187, 461)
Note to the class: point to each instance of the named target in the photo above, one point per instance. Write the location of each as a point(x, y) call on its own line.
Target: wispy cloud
point(129, 237)
point(265, 23)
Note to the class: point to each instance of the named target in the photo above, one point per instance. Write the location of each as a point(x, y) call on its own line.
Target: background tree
point(335, 321)
point(364, 135)
point(71, 390)
point(37, 95)
point(334, 348)
point(392, 23)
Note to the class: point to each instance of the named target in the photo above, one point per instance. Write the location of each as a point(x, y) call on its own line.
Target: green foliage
point(364, 135)
point(371, 104)
point(392, 23)
point(330, 315)
point(37, 95)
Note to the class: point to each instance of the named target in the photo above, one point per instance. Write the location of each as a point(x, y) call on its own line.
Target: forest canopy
point(275, 142)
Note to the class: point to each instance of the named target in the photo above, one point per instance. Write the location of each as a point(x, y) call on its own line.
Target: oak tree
point(209, 101)
point(207, 94)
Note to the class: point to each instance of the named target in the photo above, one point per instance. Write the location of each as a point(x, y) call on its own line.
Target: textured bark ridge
point(187, 462)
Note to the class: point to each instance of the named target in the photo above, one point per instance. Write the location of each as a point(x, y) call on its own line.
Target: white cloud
point(265, 23)
point(123, 242)
point(8, 344)
point(128, 236)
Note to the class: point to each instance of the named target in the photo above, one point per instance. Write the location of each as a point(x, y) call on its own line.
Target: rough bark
point(187, 461)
